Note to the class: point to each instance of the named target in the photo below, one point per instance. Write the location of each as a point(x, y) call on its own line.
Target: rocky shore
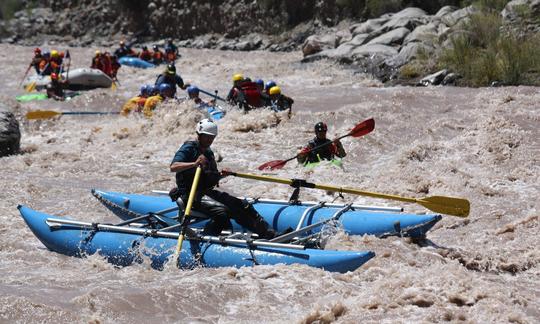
point(349, 33)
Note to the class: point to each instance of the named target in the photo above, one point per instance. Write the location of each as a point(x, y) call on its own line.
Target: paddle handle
point(212, 95)
point(187, 212)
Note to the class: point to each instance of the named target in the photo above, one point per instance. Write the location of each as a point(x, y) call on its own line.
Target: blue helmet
point(151, 90)
point(260, 82)
point(164, 87)
point(192, 90)
point(270, 84)
point(144, 90)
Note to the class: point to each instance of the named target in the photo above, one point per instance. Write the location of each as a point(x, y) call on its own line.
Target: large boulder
point(454, 17)
point(10, 135)
point(522, 10)
point(394, 37)
point(369, 50)
point(316, 43)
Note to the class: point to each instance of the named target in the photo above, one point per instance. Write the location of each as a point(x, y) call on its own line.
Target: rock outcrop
point(10, 135)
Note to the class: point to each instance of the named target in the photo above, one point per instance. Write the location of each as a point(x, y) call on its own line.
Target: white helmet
point(207, 126)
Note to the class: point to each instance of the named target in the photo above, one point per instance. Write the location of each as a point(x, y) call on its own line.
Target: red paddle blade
point(276, 164)
point(363, 128)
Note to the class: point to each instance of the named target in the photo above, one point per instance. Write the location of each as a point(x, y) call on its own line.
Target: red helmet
point(321, 127)
point(37, 50)
point(54, 76)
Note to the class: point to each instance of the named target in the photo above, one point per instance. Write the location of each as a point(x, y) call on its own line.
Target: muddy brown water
point(480, 144)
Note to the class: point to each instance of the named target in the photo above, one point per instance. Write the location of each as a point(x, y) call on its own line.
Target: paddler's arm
point(182, 166)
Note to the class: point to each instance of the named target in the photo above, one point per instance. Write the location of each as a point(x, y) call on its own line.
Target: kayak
point(42, 96)
point(335, 162)
point(79, 79)
point(135, 62)
point(125, 245)
point(361, 220)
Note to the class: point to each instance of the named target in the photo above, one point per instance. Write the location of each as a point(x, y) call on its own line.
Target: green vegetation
point(9, 7)
point(485, 52)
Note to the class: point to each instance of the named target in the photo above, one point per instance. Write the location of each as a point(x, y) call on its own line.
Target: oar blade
point(364, 128)
point(446, 205)
point(272, 165)
point(31, 87)
point(42, 114)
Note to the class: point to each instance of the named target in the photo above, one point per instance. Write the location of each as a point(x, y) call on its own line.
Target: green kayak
point(42, 96)
point(335, 162)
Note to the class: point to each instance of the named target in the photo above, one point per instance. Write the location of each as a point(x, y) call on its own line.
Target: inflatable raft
point(357, 220)
point(125, 245)
point(79, 79)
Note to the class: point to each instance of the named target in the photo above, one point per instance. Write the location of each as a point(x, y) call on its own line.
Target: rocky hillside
point(287, 22)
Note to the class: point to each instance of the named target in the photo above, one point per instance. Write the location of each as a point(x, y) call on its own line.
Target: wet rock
point(10, 135)
point(454, 17)
point(317, 43)
point(374, 49)
point(394, 37)
point(450, 79)
point(434, 79)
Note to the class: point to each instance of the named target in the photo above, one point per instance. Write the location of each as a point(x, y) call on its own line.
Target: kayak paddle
point(440, 204)
point(44, 114)
point(361, 129)
point(187, 212)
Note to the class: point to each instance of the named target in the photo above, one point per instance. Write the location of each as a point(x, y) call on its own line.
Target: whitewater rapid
point(479, 144)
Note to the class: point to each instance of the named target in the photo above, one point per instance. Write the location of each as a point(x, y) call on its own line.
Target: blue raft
point(125, 245)
point(135, 62)
point(281, 215)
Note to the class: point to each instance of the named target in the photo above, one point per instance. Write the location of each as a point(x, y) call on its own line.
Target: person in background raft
point(37, 59)
point(170, 77)
point(137, 103)
point(124, 50)
point(327, 152)
point(97, 61)
point(171, 52)
point(157, 55)
point(280, 102)
point(193, 93)
point(165, 92)
point(55, 89)
point(145, 54)
point(219, 206)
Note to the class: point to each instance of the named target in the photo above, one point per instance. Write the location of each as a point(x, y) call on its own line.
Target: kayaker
point(157, 55)
point(165, 92)
point(327, 152)
point(245, 93)
point(219, 206)
point(279, 101)
point(137, 103)
point(170, 77)
point(53, 65)
point(55, 89)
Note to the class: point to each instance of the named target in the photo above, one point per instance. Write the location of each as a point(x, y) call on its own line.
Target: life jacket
point(157, 56)
point(145, 55)
point(327, 152)
point(151, 104)
point(107, 66)
point(171, 57)
point(251, 94)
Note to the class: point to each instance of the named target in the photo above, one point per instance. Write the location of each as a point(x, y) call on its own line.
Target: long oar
point(212, 95)
point(25, 74)
point(44, 114)
point(361, 129)
point(440, 204)
point(187, 212)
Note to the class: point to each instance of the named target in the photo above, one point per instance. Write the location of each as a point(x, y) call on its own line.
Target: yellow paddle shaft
point(187, 212)
point(440, 204)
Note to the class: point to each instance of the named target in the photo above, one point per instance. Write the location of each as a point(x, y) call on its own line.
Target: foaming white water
point(481, 144)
